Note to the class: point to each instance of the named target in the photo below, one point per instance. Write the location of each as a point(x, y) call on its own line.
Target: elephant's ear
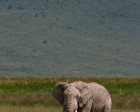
point(57, 92)
point(85, 96)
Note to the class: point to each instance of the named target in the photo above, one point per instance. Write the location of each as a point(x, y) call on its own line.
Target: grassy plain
point(125, 92)
point(45, 85)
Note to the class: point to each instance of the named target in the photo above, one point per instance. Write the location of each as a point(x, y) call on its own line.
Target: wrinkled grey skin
point(82, 97)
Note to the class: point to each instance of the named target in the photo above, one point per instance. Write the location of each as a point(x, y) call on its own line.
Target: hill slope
point(69, 38)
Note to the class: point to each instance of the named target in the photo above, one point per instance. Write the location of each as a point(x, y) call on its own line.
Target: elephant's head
point(71, 96)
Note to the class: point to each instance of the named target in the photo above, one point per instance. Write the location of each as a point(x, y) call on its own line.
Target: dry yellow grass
point(8, 108)
point(125, 110)
point(119, 101)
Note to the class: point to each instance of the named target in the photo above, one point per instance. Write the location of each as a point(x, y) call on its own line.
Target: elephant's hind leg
point(107, 108)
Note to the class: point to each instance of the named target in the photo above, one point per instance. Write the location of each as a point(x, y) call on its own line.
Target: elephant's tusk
point(75, 110)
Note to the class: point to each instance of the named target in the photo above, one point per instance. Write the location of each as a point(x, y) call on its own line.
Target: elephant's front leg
point(87, 107)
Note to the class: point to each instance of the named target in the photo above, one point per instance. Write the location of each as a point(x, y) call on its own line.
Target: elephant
point(80, 96)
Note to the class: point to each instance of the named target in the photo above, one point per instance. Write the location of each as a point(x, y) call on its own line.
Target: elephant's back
point(99, 88)
point(100, 93)
point(96, 85)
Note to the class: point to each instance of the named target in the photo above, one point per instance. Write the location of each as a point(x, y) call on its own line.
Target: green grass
point(114, 86)
point(21, 87)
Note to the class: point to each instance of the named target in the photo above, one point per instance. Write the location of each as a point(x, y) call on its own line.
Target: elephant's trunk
point(70, 106)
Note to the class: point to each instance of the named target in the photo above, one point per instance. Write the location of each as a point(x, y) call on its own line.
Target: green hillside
point(70, 38)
